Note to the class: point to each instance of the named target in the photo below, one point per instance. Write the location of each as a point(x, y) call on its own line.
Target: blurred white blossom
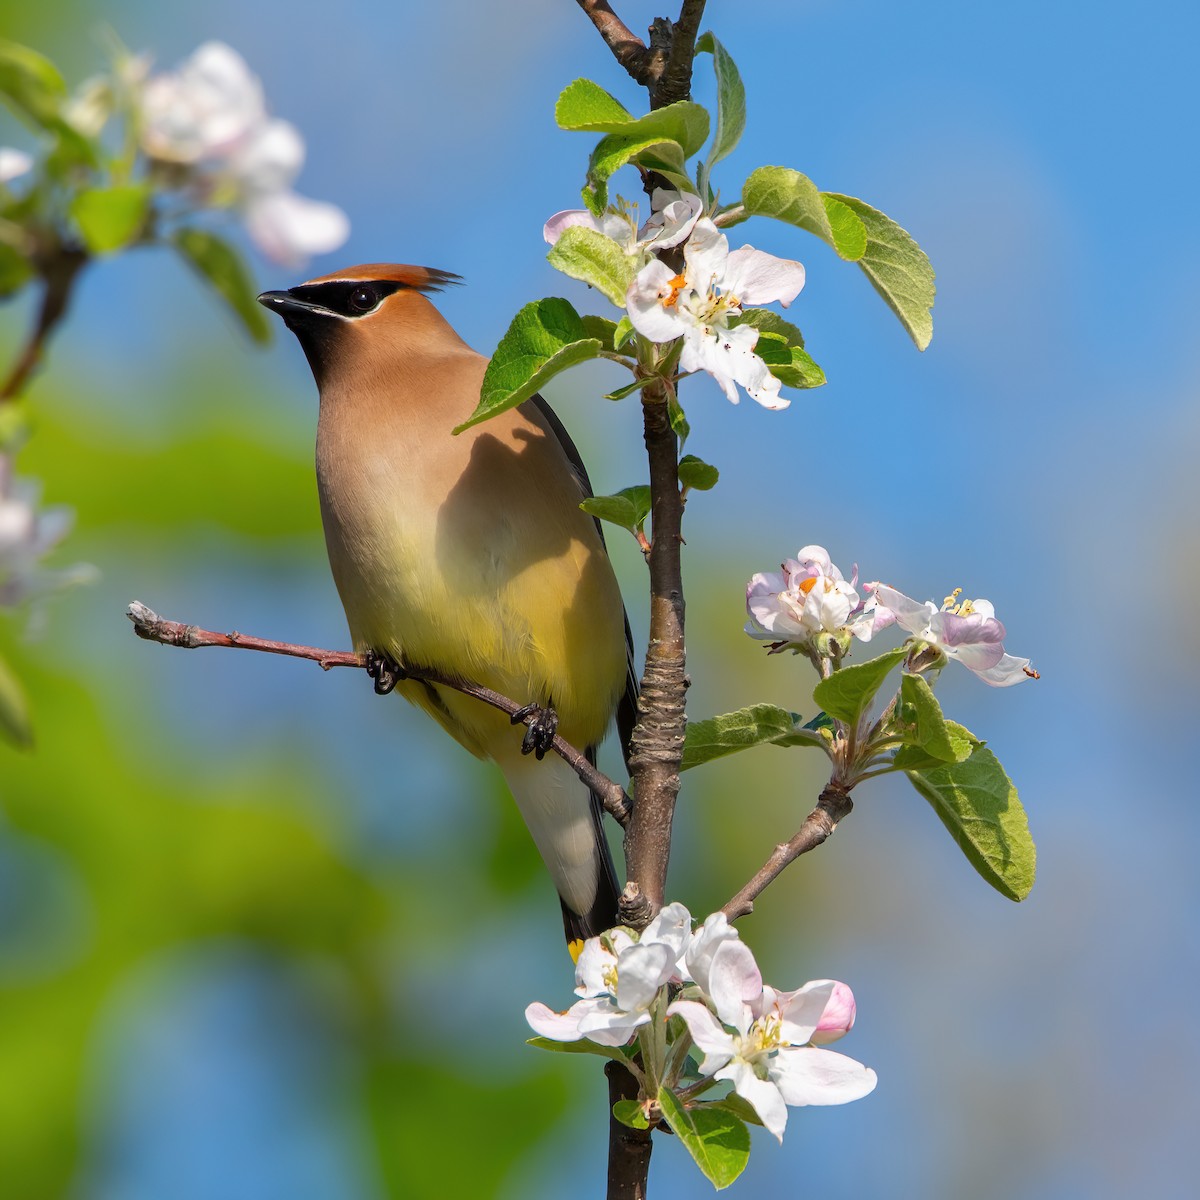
point(13, 164)
point(209, 116)
point(27, 534)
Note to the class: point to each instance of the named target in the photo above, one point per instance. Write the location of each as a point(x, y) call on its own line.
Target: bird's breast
point(470, 554)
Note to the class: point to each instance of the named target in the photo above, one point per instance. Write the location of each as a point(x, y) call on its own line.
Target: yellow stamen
point(676, 285)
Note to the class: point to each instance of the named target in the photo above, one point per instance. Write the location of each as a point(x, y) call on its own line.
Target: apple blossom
point(13, 164)
point(697, 306)
point(210, 117)
point(619, 980)
point(838, 1018)
point(671, 220)
point(27, 534)
point(808, 597)
point(760, 1040)
point(203, 108)
point(966, 631)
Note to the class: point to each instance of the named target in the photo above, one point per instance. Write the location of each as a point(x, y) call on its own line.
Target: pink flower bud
point(838, 1018)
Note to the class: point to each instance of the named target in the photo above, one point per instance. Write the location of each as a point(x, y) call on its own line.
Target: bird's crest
point(420, 279)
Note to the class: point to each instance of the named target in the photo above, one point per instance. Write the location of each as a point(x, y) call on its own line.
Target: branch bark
point(628, 49)
point(59, 272)
point(833, 805)
point(656, 746)
point(628, 1149)
point(149, 625)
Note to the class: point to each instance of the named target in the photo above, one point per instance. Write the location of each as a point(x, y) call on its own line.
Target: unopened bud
point(838, 1018)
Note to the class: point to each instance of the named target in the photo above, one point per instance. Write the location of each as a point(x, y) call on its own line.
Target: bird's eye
point(363, 299)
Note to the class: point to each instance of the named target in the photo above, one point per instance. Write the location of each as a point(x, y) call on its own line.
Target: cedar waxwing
point(467, 554)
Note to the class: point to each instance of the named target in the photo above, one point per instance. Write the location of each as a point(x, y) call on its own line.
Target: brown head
point(370, 317)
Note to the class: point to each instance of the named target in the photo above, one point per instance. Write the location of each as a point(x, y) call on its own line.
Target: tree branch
point(675, 82)
point(656, 746)
point(628, 1149)
point(833, 805)
point(628, 49)
point(149, 625)
point(59, 273)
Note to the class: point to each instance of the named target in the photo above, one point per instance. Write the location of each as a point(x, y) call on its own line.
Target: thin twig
point(149, 625)
point(833, 805)
point(59, 273)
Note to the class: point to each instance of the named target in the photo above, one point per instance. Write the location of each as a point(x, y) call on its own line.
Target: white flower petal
point(762, 1095)
point(270, 158)
point(807, 1075)
point(706, 253)
point(759, 278)
point(558, 1026)
point(606, 1024)
point(289, 228)
point(672, 926)
point(713, 934)
point(654, 284)
point(734, 983)
point(641, 971)
point(561, 221)
point(707, 1033)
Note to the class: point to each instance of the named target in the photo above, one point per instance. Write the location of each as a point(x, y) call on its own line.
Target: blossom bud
point(838, 1018)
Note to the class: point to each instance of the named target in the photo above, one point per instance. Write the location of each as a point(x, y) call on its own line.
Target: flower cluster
point(675, 988)
point(808, 602)
point(700, 304)
point(208, 119)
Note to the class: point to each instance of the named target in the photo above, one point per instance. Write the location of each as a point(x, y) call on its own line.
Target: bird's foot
point(542, 725)
point(385, 671)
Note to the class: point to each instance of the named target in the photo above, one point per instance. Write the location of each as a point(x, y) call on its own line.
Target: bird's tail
point(603, 913)
point(566, 821)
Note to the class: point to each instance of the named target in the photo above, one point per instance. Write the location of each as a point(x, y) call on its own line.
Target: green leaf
point(978, 804)
point(768, 321)
point(586, 105)
point(717, 1140)
point(583, 1046)
point(15, 727)
point(696, 474)
point(930, 731)
point(787, 195)
point(791, 365)
point(899, 270)
point(731, 106)
point(631, 1113)
point(591, 257)
point(111, 218)
point(758, 725)
point(545, 337)
point(31, 84)
point(222, 267)
point(628, 508)
point(628, 389)
point(739, 1106)
point(622, 333)
point(600, 328)
point(914, 758)
point(677, 417)
point(660, 141)
point(847, 693)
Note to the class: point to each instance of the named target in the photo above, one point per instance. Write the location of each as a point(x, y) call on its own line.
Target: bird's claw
point(542, 725)
point(385, 671)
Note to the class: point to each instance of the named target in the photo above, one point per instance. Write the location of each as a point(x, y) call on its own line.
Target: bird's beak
point(290, 307)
